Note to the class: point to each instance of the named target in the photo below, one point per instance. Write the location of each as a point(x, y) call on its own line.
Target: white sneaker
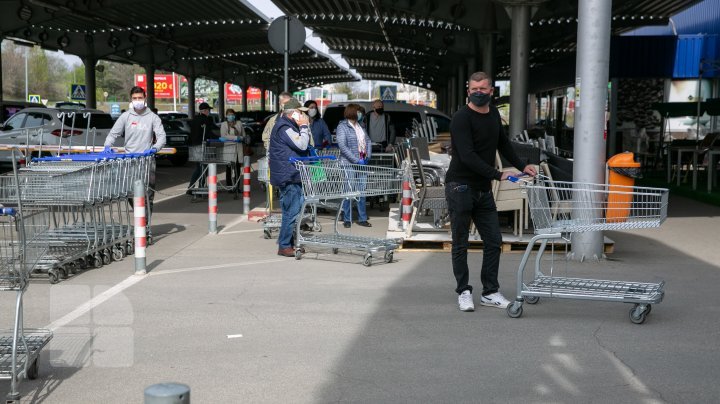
point(494, 300)
point(465, 301)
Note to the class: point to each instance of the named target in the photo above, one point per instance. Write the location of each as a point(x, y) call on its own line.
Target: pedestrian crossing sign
point(34, 98)
point(77, 92)
point(387, 93)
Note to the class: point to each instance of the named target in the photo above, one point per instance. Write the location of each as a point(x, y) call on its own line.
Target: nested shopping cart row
point(86, 197)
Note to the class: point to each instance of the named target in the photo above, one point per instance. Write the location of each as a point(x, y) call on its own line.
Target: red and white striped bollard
point(212, 197)
point(246, 185)
point(140, 223)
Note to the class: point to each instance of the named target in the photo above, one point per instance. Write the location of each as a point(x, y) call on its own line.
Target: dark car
point(176, 136)
point(9, 108)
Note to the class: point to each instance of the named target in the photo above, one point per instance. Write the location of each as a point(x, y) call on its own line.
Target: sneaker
point(364, 224)
point(347, 225)
point(465, 301)
point(494, 300)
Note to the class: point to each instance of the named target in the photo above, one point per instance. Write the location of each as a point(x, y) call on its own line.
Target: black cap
point(204, 105)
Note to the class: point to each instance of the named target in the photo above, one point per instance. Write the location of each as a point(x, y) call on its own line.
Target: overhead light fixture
point(129, 52)
point(63, 41)
point(25, 13)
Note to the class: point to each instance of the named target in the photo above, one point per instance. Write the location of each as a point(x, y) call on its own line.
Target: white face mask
point(138, 104)
point(312, 112)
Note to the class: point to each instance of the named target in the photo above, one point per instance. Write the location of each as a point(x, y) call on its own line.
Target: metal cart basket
point(228, 153)
point(324, 180)
point(559, 208)
point(22, 245)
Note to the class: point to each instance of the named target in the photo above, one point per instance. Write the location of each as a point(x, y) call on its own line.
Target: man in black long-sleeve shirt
point(476, 134)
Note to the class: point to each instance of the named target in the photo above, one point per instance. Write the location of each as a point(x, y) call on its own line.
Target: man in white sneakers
point(476, 135)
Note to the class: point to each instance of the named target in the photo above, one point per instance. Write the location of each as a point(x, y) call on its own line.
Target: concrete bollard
point(140, 223)
point(406, 203)
point(212, 197)
point(167, 393)
point(246, 185)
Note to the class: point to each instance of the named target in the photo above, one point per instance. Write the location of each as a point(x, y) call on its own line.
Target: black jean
point(466, 205)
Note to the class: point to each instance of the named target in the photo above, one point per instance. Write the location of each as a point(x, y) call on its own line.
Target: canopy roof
point(409, 41)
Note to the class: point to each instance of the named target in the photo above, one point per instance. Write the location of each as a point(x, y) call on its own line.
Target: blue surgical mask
point(360, 116)
point(231, 118)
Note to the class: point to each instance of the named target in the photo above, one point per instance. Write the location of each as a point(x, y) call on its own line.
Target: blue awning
point(692, 50)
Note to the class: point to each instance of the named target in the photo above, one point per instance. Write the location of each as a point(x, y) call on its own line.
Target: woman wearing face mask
point(233, 130)
point(321, 135)
point(354, 144)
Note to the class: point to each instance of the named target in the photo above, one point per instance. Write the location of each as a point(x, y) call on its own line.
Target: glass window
point(98, 121)
point(403, 121)
point(36, 120)
point(333, 116)
point(15, 122)
point(441, 123)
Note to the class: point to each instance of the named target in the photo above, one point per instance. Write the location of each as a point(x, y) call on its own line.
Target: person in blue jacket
point(318, 128)
point(290, 137)
point(354, 144)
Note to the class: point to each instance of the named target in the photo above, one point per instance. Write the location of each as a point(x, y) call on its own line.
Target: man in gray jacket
point(139, 125)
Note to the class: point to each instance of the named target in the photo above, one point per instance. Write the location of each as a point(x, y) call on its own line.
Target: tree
point(13, 70)
point(343, 88)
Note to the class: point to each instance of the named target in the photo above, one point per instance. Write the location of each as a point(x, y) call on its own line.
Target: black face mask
point(480, 99)
point(379, 110)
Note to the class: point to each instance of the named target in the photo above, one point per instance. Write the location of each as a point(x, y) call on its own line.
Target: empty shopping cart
point(560, 208)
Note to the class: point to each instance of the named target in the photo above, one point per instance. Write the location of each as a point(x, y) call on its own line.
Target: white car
point(53, 126)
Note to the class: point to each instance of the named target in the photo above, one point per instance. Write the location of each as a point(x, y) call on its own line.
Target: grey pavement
point(227, 316)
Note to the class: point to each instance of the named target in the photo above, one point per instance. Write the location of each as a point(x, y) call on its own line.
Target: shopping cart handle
point(516, 178)
point(7, 212)
point(311, 158)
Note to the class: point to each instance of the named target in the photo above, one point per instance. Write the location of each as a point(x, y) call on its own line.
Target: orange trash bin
point(622, 171)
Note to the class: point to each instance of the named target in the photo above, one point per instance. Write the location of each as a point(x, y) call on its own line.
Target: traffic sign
point(387, 93)
point(115, 110)
point(34, 98)
point(296, 34)
point(77, 92)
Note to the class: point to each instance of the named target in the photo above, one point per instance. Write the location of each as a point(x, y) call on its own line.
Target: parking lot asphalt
point(237, 323)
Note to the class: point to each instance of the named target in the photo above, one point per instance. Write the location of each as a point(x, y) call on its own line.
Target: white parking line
point(132, 280)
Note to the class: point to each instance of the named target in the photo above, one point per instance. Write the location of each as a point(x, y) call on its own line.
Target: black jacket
point(196, 129)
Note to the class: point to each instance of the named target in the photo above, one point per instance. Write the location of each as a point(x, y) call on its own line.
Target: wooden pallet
point(477, 246)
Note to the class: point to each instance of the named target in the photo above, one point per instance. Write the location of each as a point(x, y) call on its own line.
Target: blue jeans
point(466, 205)
point(291, 201)
point(347, 210)
point(355, 182)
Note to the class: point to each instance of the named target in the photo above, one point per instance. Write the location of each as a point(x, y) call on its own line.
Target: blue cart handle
point(311, 158)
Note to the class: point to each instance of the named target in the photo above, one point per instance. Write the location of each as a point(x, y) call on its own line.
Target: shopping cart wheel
point(335, 250)
point(317, 227)
point(388, 256)
point(638, 315)
point(70, 268)
point(298, 254)
point(53, 276)
point(130, 249)
point(117, 254)
point(532, 299)
point(267, 234)
point(514, 309)
point(368, 260)
point(106, 257)
point(32, 370)
point(61, 273)
point(81, 263)
point(97, 260)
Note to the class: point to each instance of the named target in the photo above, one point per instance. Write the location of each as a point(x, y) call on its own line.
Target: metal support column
point(519, 68)
point(191, 96)
point(221, 97)
point(591, 79)
point(471, 67)
point(90, 99)
point(1, 81)
point(461, 87)
point(263, 94)
point(453, 94)
point(150, 75)
point(612, 126)
point(244, 97)
point(488, 55)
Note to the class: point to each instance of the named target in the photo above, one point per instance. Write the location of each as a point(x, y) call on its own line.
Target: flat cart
point(560, 208)
point(227, 153)
point(22, 245)
point(326, 181)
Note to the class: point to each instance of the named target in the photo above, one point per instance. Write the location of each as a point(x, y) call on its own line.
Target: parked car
point(178, 137)
point(169, 115)
point(402, 115)
point(69, 105)
point(53, 126)
point(10, 108)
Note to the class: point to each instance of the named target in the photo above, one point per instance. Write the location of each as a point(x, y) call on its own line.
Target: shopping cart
point(560, 208)
point(326, 180)
point(227, 153)
point(22, 245)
